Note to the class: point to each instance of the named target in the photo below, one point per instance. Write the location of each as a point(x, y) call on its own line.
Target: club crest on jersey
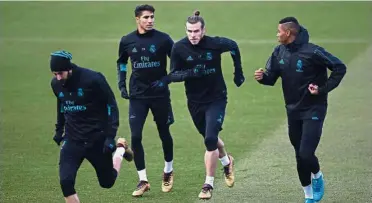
point(152, 48)
point(209, 56)
point(80, 92)
point(299, 67)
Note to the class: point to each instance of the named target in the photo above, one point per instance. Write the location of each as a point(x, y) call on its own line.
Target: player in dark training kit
point(147, 49)
point(303, 69)
point(196, 60)
point(87, 122)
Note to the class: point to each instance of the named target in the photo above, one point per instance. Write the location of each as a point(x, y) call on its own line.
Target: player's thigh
point(162, 111)
point(295, 132)
point(311, 134)
point(71, 156)
point(215, 115)
point(197, 112)
point(138, 110)
point(101, 162)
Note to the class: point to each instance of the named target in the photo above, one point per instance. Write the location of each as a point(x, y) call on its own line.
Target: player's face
point(61, 75)
point(283, 34)
point(195, 32)
point(146, 21)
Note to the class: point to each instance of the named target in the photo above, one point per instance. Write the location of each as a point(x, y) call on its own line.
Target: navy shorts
point(161, 109)
point(208, 117)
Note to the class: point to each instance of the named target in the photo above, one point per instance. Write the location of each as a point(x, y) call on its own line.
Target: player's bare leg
point(210, 159)
point(72, 199)
point(228, 164)
point(122, 151)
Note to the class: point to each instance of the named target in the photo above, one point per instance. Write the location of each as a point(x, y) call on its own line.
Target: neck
point(290, 40)
point(141, 30)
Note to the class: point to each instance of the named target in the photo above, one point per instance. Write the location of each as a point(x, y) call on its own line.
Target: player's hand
point(124, 93)
point(109, 146)
point(258, 74)
point(160, 84)
point(314, 89)
point(58, 138)
point(239, 79)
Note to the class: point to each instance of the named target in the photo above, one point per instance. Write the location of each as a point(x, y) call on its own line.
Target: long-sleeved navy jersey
point(207, 53)
point(86, 106)
point(299, 64)
point(148, 55)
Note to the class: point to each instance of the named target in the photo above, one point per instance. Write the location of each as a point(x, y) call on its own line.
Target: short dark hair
point(291, 23)
point(145, 7)
point(289, 20)
point(196, 18)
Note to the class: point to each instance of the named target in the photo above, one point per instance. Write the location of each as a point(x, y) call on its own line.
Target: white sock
point(168, 167)
point(225, 160)
point(308, 190)
point(209, 180)
point(142, 175)
point(317, 175)
point(120, 151)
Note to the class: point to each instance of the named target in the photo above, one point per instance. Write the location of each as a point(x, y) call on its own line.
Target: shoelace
point(141, 184)
point(166, 178)
point(317, 185)
point(206, 188)
point(226, 170)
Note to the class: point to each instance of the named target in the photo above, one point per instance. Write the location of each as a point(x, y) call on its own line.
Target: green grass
point(31, 30)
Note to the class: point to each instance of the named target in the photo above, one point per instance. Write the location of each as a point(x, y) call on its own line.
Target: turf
point(91, 31)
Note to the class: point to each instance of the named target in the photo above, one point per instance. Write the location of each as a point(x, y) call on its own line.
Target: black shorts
point(208, 117)
point(74, 152)
point(161, 109)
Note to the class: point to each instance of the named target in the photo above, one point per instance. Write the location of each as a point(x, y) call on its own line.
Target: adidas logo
point(134, 50)
point(61, 95)
point(189, 58)
point(281, 61)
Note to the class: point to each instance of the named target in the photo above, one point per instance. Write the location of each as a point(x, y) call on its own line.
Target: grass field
point(254, 129)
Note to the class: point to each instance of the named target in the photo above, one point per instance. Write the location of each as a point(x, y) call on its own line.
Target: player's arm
point(228, 45)
point(122, 62)
point(177, 74)
point(272, 72)
point(165, 80)
point(108, 99)
point(60, 124)
point(334, 64)
point(169, 45)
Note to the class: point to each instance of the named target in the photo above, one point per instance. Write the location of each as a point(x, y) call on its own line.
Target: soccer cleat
point(318, 188)
point(229, 173)
point(206, 192)
point(167, 182)
point(142, 187)
point(128, 155)
point(308, 200)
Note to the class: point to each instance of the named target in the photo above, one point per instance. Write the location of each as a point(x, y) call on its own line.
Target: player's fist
point(314, 89)
point(58, 138)
point(109, 146)
point(239, 79)
point(258, 74)
point(124, 93)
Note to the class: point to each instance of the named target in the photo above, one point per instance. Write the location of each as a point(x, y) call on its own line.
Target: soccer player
point(196, 60)
point(87, 122)
point(303, 69)
point(147, 49)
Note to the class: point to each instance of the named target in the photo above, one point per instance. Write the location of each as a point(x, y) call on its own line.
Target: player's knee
point(136, 139)
point(211, 143)
point(107, 184)
point(108, 181)
point(305, 156)
point(67, 187)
